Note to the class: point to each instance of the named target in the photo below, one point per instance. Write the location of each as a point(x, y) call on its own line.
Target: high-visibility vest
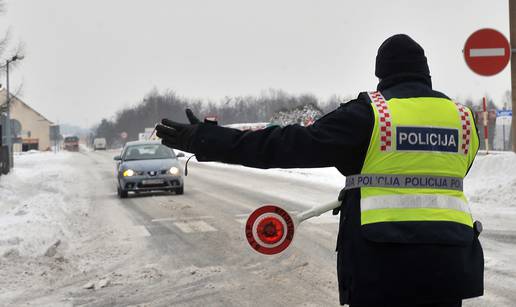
point(411, 182)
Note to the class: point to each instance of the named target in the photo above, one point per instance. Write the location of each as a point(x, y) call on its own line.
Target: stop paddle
point(270, 229)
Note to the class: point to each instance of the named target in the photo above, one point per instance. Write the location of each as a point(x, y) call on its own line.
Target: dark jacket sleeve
point(339, 139)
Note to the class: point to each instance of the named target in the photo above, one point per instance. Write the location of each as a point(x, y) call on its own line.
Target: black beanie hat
point(400, 54)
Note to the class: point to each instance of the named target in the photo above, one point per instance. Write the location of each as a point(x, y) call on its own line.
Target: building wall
point(34, 125)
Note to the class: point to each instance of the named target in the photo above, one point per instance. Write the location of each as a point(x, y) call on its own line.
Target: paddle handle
point(317, 210)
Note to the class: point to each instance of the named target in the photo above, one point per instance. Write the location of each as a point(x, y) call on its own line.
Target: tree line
point(242, 109)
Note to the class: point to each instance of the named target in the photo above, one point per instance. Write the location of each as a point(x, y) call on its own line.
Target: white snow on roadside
point(492, 174)
point(491, 189)
point(325, 175)
point(36, 204)
point(51, 231)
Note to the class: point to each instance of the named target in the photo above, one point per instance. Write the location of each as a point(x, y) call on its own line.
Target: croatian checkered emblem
point(466, 127)
point(384, 120)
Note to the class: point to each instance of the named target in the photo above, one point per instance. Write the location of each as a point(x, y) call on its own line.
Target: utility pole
point(512, 26)
point(8, 140)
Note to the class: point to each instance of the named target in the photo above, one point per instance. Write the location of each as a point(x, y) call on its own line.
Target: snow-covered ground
point(54, 230)
point(39, 204)
point(51, 231)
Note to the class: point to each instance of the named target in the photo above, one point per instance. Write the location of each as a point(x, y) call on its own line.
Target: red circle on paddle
point(269, 230)
point(487, 52)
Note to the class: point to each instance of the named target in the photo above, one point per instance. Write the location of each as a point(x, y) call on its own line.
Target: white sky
point(86, 59)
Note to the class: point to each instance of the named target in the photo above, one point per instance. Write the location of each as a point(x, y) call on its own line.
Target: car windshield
point(71, 139)
point(147, 152)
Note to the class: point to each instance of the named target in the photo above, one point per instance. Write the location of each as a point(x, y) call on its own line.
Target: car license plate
point(152, 181)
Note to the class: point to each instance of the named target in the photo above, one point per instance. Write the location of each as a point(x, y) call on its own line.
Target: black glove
point(177, 135)
point(342, 194)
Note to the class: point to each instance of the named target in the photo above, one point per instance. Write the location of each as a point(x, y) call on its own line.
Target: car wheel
point(122, 193)
point(179, 191)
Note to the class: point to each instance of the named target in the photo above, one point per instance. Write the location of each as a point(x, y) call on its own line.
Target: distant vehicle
point(99, 144)
point(148, 166)
point(71, 143)
point(148, 135)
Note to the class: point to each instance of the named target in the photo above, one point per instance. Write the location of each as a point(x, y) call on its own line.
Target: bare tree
point(7, 51)
point(229, 110)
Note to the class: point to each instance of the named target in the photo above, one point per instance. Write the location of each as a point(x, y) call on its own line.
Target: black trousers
point(448, 304)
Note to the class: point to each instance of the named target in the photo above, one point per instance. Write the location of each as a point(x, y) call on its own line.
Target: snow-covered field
point(54, 232)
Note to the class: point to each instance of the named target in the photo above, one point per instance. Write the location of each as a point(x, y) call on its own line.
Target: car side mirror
point(180, 155)
point(117, 158)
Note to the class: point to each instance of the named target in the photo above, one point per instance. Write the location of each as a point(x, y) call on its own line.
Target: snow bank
point(492, 179)
point(35, 205)
point(491, 189)
point(59, 219)
point(329, 176)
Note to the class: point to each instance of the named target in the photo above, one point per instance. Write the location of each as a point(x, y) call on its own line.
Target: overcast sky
point(86, 59)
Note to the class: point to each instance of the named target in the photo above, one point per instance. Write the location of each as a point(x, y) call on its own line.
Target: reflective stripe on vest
point(420, 150)
point(415, 207)
point(403, 181)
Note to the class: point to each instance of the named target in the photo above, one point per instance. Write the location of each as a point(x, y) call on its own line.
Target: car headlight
point(128, 173)
point(174, 171)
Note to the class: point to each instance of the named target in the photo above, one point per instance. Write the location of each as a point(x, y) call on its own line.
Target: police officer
point(406, 234)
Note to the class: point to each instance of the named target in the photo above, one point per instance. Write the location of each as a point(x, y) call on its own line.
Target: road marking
point(485, 52)
point(194, 226)
point(186, 218)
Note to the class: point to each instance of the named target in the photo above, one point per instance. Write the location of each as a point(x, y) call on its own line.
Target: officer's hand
point(177, 135)
point(191, 117)
point(340, 198)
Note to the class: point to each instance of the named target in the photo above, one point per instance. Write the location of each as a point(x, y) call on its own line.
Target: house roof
point(3, 95)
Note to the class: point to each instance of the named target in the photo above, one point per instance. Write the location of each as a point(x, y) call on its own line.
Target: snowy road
point(202, 232)
point(190, 250)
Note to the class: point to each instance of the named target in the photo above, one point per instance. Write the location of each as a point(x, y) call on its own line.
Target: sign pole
point(485, 122)
point(512, 26)
point(503, 135)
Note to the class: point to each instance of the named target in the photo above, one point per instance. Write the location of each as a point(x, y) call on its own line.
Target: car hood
point(150, 165)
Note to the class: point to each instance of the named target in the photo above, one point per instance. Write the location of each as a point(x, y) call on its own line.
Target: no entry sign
point(487, 52)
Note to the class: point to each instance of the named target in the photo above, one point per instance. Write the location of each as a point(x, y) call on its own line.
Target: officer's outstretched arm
point(337, 139)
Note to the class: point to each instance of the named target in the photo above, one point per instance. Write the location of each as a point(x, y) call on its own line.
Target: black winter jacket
point(369, 273)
